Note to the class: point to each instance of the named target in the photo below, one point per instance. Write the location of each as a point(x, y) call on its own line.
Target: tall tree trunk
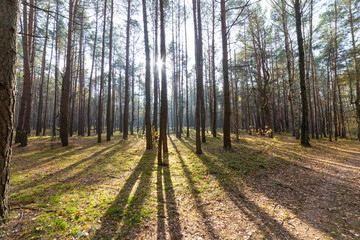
point(198, 84)
point(293, 95)
point(120, 105)
point(64, 106)
point(213, 70)
point(163, 110)
point(57, 59)
point(186, 76)
point(113, 101)
point(9, 16)
point(133, 89)
point(307, 80)
point(200, 60)
point(81, 130)
point(92, 70)
point(102, 78)
point(335, 78)
point(227, 110)
point(147, 81)
point(304, 124)
point(108, 109)
point(156, 69)
point(32, 49)
point(329, 122)
point(42, 76)
point(21, 134)
point(357, 73)
point(45, 124)
point(126, 106)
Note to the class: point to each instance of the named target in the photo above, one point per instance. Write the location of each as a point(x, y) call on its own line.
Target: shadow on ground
point(325, 201)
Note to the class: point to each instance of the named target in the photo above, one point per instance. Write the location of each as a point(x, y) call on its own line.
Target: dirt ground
point(261, 189)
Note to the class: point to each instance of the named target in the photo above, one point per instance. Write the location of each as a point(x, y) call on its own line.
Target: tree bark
point(64, 106)
point(42, 76)
point(45, 124)
point(163, 110)
point(156, 69)
point(227, 110)
point(357, 73)
point(304, 124)
point(108, 109)
point(147, 80)
point(126, 106)
point(9, 15)
point(92, 70)
point(198, 84)
point(213, 70)
point(102, 78)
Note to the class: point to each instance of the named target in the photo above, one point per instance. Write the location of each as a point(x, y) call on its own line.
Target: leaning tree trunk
point(9, 14)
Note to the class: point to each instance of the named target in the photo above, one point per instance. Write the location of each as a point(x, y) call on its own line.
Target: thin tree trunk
point(200, 60)
point(126, 106)
point(102, 78)
point(335, 78)
point(57, 59)
point(198, 84)
point(108, 109)
point(42, 76)
point(147, 81)
point(227, 110)
point(186, 76)
point(133, 89)
point(92, 70)
point(213, 70)
point(292, 96)
point(45, 124)
point(156, 70)
point(81, 130)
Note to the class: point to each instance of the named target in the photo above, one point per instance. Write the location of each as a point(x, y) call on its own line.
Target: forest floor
point(261, 189)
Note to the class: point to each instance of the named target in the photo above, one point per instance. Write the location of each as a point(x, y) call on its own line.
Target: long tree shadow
point(269, 226)
point(64, 170)
point(195, 193)
point(328, 202)
point(161, 234)
point(171, 204)
point(325, 197)
point(46, 156)
point(94, 174)
point(125, 211)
